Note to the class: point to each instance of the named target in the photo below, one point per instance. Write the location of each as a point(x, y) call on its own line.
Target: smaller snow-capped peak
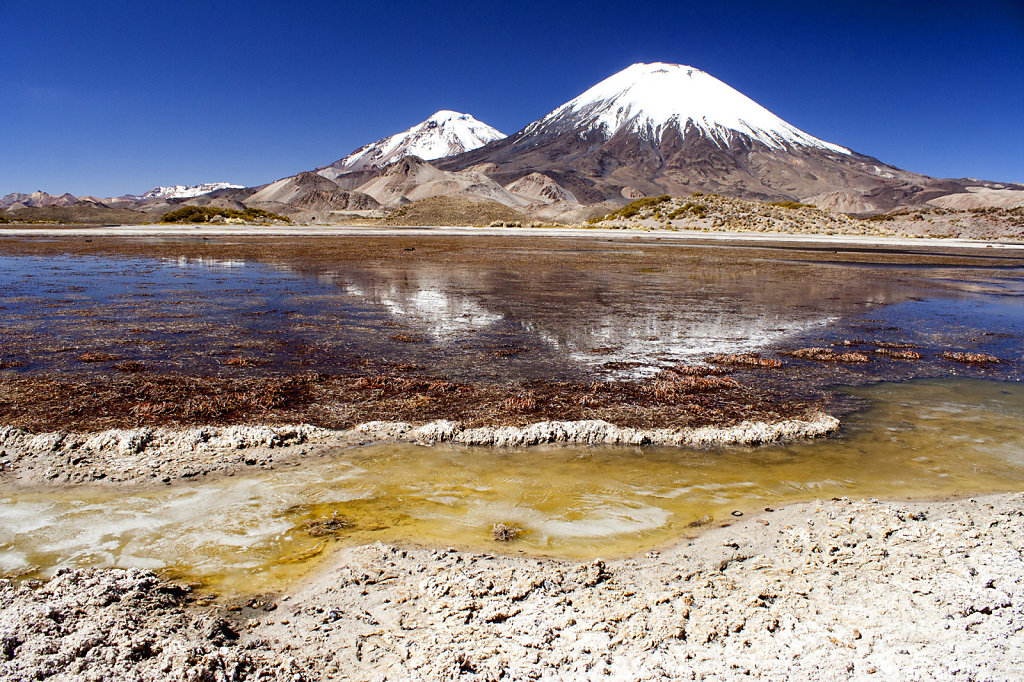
point(182, 191)
point(647, 98)
point(446, 133)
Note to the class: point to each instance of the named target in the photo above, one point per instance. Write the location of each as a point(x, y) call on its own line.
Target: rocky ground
point(837, 589)
point(121, 625)
point(719, 213)
point(453, 211)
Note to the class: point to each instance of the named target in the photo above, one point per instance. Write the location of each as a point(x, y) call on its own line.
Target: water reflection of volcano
point(433, 311)
point(478, 309)
point(615, 316)
point(651, 341)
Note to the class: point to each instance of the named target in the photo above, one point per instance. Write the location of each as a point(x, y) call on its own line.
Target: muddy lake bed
point(498, 316)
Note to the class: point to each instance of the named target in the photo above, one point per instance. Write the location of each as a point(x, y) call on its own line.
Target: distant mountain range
point(39, 198)
point(647, 130)
point(36, 199)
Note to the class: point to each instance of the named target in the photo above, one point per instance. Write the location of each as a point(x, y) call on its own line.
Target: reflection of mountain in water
point(428, 307)
point(617, 315)
point(203, 262)
point(651, 341)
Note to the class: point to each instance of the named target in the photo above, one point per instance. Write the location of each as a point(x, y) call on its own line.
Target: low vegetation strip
point(707, 211)
point(207, 214)
point(454, 211)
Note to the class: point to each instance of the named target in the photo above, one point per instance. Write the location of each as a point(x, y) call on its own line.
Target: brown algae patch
point(126, 400)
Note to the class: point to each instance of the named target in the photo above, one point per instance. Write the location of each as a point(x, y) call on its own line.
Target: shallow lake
point(480, 309)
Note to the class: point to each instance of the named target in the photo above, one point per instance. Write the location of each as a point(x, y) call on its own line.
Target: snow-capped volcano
point(647, 99)
point(444, 134)
point(669, 128)
point(181, 191)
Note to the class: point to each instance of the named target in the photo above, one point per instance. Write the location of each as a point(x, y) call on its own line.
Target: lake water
point(920, 439)
point(557, 310)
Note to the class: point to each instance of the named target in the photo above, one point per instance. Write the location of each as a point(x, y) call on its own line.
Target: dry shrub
point(745, 359)
point(505, 532)
point(601, 387)
point(665, 389)
point(668, 387)
point(442, 386)
point(506, 351)
point(407, 338)
point(697, 410)
point(899, 354)
point(697, 370)
point(617, 365)
point(829, 355)
point(971, 358)
point(130, 366)
point(520, 403)
point(241, 361)
point(709, 383)
point(7, 364)
point(96, 356)
point(384, 382)
point(891, 344)
point(406, 367)
point(193, 400)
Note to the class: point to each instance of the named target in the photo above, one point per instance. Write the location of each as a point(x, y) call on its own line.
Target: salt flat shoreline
point(140, 456)
point(724, 237)
point(838, 589)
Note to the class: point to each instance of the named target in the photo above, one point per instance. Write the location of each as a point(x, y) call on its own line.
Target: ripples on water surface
point(919, 439)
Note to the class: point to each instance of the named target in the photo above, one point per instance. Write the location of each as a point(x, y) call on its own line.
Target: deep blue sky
point(107, 97)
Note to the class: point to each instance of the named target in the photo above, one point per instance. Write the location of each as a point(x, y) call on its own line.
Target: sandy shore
point(827, 590)
point(822, 240)
point(146, 455)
